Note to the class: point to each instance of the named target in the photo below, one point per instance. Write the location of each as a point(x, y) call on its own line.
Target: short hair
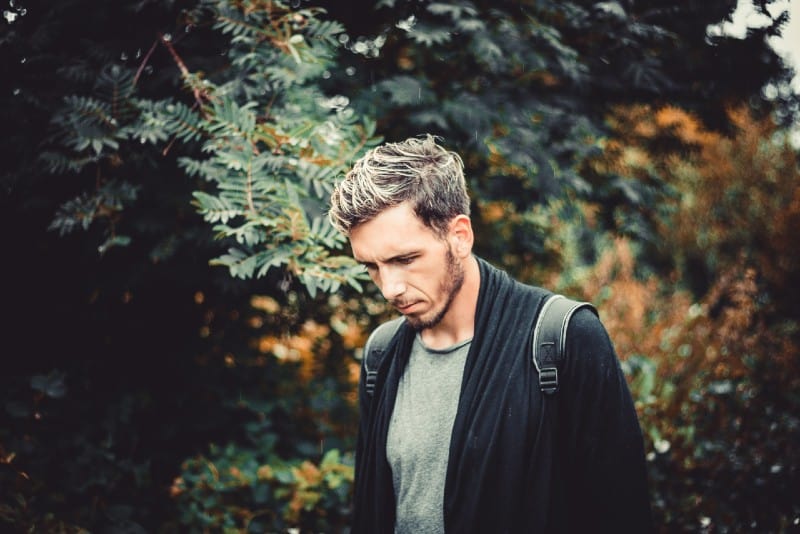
point(416, 170)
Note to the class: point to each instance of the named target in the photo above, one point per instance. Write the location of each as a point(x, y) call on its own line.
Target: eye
point(406, 260)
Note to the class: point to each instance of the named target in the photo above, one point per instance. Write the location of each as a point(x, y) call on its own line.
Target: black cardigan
point(519, 461)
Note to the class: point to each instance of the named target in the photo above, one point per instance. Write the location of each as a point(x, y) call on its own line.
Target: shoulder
point(384, 331)
point(379, 340)
point(585, 325)
point(590, 351)
point(529, 296)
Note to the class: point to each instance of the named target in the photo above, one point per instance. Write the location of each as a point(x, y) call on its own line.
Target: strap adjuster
point(372, 377)
point(548, 380)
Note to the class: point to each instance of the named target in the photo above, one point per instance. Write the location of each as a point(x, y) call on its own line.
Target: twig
point(198, 96)
point(144, 62)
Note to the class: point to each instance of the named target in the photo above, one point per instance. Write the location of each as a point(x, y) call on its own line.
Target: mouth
point(405, 308)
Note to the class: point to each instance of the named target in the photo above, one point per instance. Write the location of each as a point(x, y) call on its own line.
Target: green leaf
point(429, 35)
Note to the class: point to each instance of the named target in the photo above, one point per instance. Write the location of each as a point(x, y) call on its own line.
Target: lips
point(405, 308)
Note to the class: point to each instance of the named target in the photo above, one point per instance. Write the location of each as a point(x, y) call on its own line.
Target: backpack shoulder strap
point(374, 349)
point(550, 338)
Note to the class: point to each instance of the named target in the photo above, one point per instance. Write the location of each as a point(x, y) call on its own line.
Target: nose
point(392, 284)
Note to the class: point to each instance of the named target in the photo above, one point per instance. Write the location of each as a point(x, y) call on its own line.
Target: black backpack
point(547, 345)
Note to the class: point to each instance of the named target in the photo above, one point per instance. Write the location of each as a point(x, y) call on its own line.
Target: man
point(455, 437)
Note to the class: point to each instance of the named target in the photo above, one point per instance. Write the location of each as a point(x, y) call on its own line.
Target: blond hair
point(416, 170)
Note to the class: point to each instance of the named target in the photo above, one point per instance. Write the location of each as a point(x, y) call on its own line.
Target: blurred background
point(181, 342)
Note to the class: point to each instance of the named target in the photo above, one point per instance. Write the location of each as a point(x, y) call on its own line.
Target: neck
point(458, 324)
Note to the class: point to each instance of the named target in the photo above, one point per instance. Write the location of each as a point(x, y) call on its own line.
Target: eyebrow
point(389, 259)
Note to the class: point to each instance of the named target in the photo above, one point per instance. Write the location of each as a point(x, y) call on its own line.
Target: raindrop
point(705, 521)
point(123, 56)
point(10, 16)
point(168, 37)
point(361, 47)
point(343, 38)
point(326, 74)
point(139, 53)
point(23, 60)
point(295, 4)
point(16, 91)
point(350, 70)
point(11, 3)
point(23, 12)
point(148, 69)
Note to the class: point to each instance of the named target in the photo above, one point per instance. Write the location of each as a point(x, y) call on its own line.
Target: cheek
point(432, 284)
point(376, 279)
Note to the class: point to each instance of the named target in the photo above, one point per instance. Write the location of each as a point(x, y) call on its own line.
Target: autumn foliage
point(710, 345)
point(146, 390)
point(711, 356)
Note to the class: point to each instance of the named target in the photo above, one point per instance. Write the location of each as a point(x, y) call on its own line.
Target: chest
point(425, 407)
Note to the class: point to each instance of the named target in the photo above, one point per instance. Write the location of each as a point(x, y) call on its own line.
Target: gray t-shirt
point(418, 443)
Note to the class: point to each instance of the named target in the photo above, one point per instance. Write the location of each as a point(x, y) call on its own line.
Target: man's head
point(417, 171)
point(405, 208)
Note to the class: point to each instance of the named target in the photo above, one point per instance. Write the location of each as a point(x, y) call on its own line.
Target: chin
point(420, 323)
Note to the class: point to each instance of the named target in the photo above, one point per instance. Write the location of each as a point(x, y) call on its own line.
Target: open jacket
point(519, 461)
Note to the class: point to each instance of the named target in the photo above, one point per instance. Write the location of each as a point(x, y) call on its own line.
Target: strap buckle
point(548, 380)
point(372, 377)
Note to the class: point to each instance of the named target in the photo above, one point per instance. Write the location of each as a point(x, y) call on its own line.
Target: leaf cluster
point(261, 135)
point(710, 341)
point(249, 490)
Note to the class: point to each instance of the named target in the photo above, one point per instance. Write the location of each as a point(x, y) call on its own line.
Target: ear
point(460, 236)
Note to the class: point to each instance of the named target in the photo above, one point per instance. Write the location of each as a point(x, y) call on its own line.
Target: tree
point(523, 89)
point(131, 361)
point(270, 139)
point(123, 334)
point(711, 338)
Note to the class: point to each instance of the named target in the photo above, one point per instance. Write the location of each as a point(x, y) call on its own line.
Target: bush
point(240, 489)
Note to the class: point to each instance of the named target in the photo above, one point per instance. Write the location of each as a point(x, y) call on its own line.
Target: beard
point(450, 286)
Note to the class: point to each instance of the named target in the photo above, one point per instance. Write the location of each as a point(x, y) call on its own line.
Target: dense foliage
point(614, 152)
point(713, 357)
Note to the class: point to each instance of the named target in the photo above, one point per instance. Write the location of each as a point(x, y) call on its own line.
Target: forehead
point(394, 231)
